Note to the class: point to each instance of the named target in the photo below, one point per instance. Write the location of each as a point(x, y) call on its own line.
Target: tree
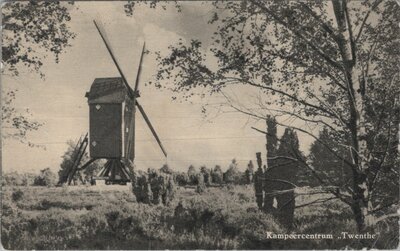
point(192, 173)
point(217, 175)
point(200, 185)
point(31, 31)
point(249, 173)
point(131, 5)
point(206, 174)
point(45, 178)
point(70, 157)
point(166, 169)
point(232, 174)
point(319, 63)
point(284, 163)
point(31, 28)
point(16, 124)
point(182, 179)
point(12, 179)
point(329, 168)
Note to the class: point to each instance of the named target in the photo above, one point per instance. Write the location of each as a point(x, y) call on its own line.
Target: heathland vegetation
point(219, 217)
point(102, 217)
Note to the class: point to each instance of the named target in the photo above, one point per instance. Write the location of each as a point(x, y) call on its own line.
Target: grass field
point(107, 217)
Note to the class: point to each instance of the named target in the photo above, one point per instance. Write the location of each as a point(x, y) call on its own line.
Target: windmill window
point(94, 143)
point(127, 129)
point(98, 107)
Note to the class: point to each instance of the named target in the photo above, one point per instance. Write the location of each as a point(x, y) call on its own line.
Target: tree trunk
point(362, 204)
point(357, 121)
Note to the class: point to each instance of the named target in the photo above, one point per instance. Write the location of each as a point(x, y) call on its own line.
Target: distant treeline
point(192, 177)
point(212, 176)
point(46, 177)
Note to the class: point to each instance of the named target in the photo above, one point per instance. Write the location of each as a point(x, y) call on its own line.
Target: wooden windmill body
point(112, 108)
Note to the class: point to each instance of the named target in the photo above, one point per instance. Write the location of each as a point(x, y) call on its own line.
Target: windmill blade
point(102, 35)
point(130, 149)
point(139, 69)
point(151, 127)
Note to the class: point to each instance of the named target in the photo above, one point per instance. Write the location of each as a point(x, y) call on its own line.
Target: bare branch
point(317, 201)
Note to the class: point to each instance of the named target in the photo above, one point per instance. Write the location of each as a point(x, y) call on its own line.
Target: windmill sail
point(151, 128)
point(130, 150)
point(139, 69)
point(102, 35)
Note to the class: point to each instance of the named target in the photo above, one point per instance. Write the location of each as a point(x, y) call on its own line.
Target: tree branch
point(299, 35)
point(323, 24)
point(374, 6)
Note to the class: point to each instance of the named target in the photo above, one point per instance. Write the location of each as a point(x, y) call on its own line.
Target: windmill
point(112, 109)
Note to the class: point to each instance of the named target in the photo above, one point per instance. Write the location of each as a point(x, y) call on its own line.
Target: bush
point(217, 175)
point(45, 178)
point(17, 195)
point(182, 179)
point(12, 179)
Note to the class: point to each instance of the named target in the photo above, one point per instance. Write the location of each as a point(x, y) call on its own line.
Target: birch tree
point(331, 64)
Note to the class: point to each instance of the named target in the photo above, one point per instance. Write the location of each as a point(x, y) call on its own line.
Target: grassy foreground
point(107, 217)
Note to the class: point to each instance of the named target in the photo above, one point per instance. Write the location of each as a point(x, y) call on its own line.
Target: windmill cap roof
point(107, 90)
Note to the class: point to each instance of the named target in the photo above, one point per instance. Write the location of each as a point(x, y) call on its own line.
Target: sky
point(59, 100)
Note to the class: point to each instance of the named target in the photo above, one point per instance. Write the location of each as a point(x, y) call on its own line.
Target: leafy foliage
point(45, 178)
point(332, 170)
point(69, 158)
point(217, 175)
point(17, 179)
point(129, 7)
point(16, 124)
point(31, 30)
point(233, 175)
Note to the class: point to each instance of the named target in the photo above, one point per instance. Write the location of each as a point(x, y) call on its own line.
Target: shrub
point(12, 179)
point(182, 179)
point(217, 175)
point(17, 195)
point(45, 178)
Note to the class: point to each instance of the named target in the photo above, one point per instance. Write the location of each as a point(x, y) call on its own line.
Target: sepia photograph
point(200, 125)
